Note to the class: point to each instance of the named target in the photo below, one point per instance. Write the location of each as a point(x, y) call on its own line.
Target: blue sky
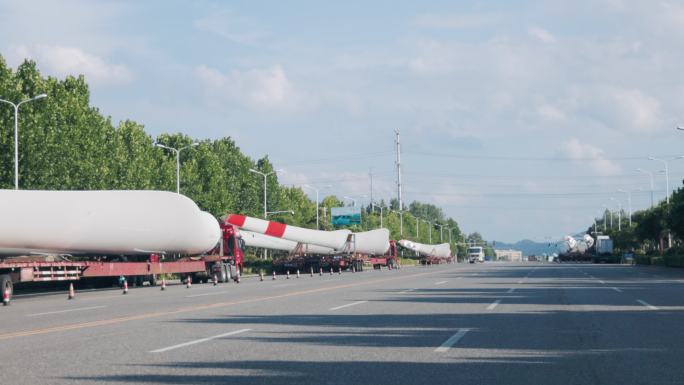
point(520, 119)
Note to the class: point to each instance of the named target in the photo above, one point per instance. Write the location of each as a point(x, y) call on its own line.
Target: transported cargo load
point(332, 239)
point(442, 250)
point(253, 239)
point(103, 223)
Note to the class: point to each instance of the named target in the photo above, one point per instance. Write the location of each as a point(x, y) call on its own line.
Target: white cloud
point(550, 112)
point(454, 21)
point(542, 35)
point(639, 112)
point(267, 88)
point(60, 61)
point(591, 156)
point(224, 25)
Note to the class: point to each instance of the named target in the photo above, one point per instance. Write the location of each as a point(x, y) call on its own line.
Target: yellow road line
point(112, 321)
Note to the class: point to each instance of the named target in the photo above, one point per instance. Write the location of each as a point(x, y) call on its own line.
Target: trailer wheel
point(223, 278)
point(6, 287)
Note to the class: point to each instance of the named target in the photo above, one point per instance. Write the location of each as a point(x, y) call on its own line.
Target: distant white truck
point(476, 254)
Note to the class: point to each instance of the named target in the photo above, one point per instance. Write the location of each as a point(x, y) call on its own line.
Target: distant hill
point(529, 247)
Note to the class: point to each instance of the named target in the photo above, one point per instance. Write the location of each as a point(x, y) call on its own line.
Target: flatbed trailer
point(224, 262)
point(306, 263)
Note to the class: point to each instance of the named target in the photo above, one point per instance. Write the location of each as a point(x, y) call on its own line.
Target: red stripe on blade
point(236, 219)
point(275, 229)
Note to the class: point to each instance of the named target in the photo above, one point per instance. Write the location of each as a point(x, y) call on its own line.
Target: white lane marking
point(205, 294)
point(441, 282)
point(406, 291)
point(52, 292)
point(162, 350)
point(493, 304)
point(601, 282)
point(65, 311)
point(648, 305)
point(510, 290)
point(347, 305)
point(520, 282)
point(617, 289)
point(452, 341)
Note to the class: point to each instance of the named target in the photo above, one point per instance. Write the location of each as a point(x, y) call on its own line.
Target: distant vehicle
point(532, 258)
point(476, 254)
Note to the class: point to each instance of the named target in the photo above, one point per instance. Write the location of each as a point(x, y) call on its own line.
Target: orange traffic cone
point(339, 270)
point(261, 276)
point(163, 285)
point(215, 280)
point(237, 275)
point(71, 291)
point(288, 274)
point(297, 273)
point(353, 269)
point(5, 297)
point(188, 282)
point(312, 271)
point(320, 272)
point(125, 290)
point(274, 275)
point(331, 269)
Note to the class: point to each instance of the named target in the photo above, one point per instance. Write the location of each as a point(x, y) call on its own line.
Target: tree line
point(67, 144)
point(656, 230)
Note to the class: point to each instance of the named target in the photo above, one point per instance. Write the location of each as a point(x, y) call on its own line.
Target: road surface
point(492, 323)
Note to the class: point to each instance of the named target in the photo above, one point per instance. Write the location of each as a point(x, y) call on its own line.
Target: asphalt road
point(492, 323)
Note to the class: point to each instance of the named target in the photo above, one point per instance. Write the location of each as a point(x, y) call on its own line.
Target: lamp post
point(619, 213)
point(16, 133)
point(667, 178)
point(629, 203)
point(401, 221)
point(317, 202)
point(265, 175)
point(650, 174)
point(429, 228)
point(280, 212)
point(177, 151)
point(381, 210)
point(441, 232)
point(351, 199)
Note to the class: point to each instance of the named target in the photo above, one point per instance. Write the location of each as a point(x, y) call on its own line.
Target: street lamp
point(430, 229)
point(16, 133)
point(317, 201)
point(265, 175)
point(351, 199)
point(650, 174)
point(667, 178)
point(280, 212)
point(177, 151)
point(381, 211)
point(629, 202)
point(619, 212)
point(441, 232)
point(611, 217)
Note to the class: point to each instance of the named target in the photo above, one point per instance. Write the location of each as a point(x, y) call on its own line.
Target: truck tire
point(153, 280)
point(6, 286)
point(223, 277)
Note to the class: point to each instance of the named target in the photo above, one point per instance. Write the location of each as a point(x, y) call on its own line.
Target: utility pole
point(401, 204)
point(370, 174)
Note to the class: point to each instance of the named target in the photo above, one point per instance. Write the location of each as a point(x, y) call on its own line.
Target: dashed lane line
point(347, 305)
point(648, 305)
point(494, 304)
point(199, 341)
point(453, 340)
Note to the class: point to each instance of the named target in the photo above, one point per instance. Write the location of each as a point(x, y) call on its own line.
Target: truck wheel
point(153, 280)
point(223, 277)
point(6, 287)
